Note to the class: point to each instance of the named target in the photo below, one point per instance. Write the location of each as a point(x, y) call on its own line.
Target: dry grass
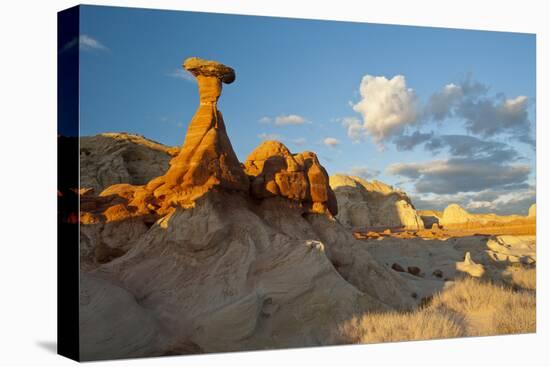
point(391, 327)
point(522, 277)
point(470, 307)
point(488, 308)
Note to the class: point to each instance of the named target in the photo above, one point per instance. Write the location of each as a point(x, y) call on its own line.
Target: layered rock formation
point(454, 216)
point(274, 171)
point(363, 204)
point(204, 261)
point(112, 158)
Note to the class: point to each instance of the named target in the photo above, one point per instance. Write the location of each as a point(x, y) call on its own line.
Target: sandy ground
point(431, 259)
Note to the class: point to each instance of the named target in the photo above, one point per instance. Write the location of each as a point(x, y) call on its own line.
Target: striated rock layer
point(363, 204)
point(113, 158)
point(203, 261)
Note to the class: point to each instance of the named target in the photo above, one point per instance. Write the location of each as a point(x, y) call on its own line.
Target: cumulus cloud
point(386, 106)
point(480, 113)
point(284, 120)
point(440, 104)
point(331, 142)
point(457, 175)
point(364, 172)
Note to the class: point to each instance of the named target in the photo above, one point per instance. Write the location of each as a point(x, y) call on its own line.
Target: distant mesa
point(455, 216)
point(532, 211)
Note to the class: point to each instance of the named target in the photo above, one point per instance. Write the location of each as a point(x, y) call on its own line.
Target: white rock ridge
point(363, 204)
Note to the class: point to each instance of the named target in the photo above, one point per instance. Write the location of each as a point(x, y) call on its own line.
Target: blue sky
point(447, 115)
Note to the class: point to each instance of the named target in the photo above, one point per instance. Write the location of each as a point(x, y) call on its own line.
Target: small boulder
point(414, 270)
point(397, 267)
point(470, 267)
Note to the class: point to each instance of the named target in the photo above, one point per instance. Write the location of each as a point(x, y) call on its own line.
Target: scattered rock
point(397, 267)
point(414, 270)
point(437, 273)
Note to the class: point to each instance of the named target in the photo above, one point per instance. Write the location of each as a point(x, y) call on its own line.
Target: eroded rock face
point(363, 204)
point(455, 214)
point(274, 171)
point(232, 275)
point(113, 158)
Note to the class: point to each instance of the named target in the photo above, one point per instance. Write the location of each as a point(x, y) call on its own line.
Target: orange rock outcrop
point(274, 171)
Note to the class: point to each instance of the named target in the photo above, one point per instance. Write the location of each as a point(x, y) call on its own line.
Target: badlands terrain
point(187, 250)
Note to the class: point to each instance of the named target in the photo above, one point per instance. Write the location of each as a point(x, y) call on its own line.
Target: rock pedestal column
point(207, 158)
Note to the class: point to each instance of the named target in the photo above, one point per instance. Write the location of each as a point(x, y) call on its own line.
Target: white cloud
point(265, 120)
point(290, 120)
point(266, 136)
point(284, 120)
point(386, 105)
point(331, 142)
point(183, 75)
